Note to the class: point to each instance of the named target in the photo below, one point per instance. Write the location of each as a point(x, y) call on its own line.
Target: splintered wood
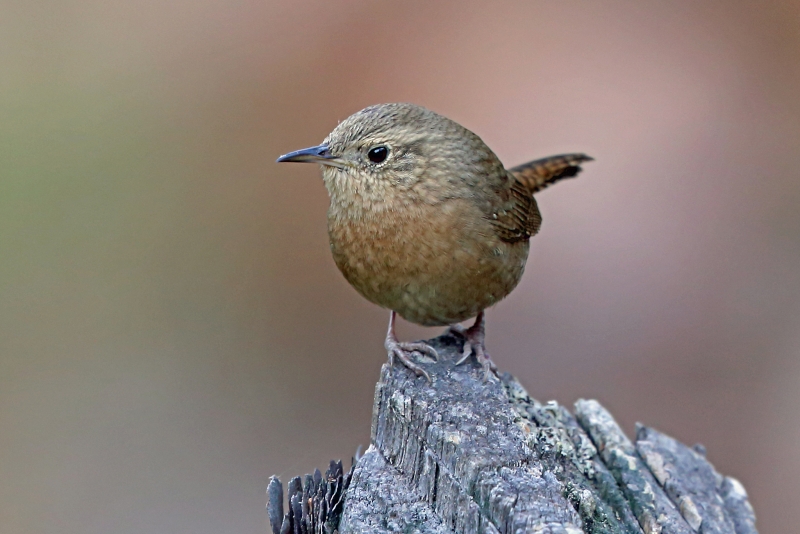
point(467, 455)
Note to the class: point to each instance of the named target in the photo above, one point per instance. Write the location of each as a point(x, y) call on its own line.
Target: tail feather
point(538, 174)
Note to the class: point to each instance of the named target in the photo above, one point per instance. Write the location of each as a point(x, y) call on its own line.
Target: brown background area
point(173, 329)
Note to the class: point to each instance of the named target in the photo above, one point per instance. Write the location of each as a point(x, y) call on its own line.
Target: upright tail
point(538, 174)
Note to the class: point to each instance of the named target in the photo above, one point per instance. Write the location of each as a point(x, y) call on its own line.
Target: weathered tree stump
point(466, 455)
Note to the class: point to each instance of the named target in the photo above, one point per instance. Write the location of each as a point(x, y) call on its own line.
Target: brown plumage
point(425, 220)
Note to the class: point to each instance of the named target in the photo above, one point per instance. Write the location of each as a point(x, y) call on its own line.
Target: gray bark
point(466, 455)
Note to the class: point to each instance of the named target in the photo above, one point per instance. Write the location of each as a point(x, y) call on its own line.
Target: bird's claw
point(474, 344)
point(481, 356)
point(405, 351)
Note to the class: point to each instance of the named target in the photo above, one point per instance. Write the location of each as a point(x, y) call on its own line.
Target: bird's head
point(390, 149)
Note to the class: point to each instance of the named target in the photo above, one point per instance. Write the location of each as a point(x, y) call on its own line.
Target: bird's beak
point(315, 154)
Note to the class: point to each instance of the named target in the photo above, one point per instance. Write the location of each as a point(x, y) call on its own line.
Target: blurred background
point(173, 330)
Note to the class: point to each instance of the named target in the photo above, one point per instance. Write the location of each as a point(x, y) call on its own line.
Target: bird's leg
point(474, 344)
point(405, 350)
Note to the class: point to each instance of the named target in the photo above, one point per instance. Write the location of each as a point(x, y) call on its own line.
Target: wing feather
point(517, 217)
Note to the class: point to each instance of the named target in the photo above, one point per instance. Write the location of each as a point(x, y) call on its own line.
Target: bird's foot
point(405, 351)
point(474, 344)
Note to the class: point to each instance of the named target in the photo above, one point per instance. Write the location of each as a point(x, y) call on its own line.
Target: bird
point(425, 221)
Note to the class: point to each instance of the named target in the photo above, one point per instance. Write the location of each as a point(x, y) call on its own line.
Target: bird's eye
point(378, 154)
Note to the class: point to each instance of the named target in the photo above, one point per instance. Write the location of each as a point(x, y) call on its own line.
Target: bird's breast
point(434, 264)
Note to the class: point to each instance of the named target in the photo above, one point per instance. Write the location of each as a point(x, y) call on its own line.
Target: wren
point(426, 221)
